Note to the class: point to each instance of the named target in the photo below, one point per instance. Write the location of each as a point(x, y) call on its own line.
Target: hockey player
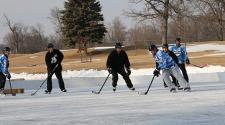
point(181, 54)
point(4, 65)
point(165, 48)
point(168, 66)
point(116, 63)
point(54, 59)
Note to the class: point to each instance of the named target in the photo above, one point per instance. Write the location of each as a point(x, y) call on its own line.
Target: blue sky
point(32, 12)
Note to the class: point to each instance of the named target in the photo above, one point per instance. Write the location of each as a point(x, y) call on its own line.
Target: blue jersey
point(163, 60)
point(181, 53)
point(4, 64)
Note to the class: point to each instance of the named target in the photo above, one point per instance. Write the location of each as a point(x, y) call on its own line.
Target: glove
point(188, 62)
point(156, 73)
point(8, 76)
point(110, 70)
point(128, 71)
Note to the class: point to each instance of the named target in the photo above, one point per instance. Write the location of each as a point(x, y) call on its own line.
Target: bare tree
point(141, 34)
point(55, 18)
point(14, 29)
point(156, 9)
point(214, 12)
point(117, 30)
point(28, 36)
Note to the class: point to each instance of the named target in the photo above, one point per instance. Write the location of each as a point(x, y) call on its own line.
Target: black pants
point(58, 74)
point(123, 73)
point(2, 80)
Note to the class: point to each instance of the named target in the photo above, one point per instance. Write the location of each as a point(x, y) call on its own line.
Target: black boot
point(47, 92)
point(173, 90)
point(114, 89)
point(132, 89)
point(64, 90)
point(187, 89)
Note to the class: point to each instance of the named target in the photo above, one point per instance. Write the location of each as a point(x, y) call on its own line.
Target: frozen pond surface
point(205, 105)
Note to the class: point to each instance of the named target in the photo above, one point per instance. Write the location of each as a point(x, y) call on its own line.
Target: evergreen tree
point(82, 21)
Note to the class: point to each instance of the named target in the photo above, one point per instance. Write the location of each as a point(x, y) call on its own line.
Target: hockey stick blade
point(32, 94)
point(203, 66)
point(142, 93)
point(200, 66)
point(94, 92)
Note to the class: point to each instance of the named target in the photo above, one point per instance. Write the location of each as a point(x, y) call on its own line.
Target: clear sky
point(32, 12)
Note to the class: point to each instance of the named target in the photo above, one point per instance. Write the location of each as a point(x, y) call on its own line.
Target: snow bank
point(103, 73)
point(205, 47)
point(190, 47)
point(104, 48)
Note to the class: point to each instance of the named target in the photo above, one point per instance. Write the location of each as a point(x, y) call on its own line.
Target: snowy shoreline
point(103, 73)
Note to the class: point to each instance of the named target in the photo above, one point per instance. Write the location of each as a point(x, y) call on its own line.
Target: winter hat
point(118, 45)
point(50, 45)
point(178, 39)
point(165, 45)
point(151, 47)
point(6, 49)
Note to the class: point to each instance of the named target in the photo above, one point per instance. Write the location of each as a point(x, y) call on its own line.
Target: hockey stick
point(10, 84)
point(94, 92)
point(145, 93)
point(32, 94)
point(200, 66)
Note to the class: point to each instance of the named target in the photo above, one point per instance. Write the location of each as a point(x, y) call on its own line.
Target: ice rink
point(205, 105)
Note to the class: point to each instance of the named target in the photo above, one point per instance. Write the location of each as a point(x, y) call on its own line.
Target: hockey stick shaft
point(45, 80)
point(102, 85)
point(149, 86)
point(199, 65)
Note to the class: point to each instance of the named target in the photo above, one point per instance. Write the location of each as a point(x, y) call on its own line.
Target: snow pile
point(205, 47)
point(103, 73)
point(190, 47)
point(209, 69)
point(104, 48)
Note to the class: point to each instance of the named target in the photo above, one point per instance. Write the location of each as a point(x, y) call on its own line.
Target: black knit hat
point(118, 45)
point(6, 49)
point(151, 47)
point(178, 39)
point(165, 45)
point(50, 45)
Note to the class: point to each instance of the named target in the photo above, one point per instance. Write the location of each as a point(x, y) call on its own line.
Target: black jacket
point(117, 61)
point(174, 57)
point(54, 58)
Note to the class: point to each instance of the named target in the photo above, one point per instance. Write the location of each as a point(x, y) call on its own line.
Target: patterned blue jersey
point(181, 53)
point(163, 60)
point(4, 64)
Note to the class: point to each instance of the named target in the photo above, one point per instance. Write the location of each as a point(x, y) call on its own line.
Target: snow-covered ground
point(203, 106)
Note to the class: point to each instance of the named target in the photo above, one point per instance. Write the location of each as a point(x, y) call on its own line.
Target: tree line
point(192, 20)
point(80, 24)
